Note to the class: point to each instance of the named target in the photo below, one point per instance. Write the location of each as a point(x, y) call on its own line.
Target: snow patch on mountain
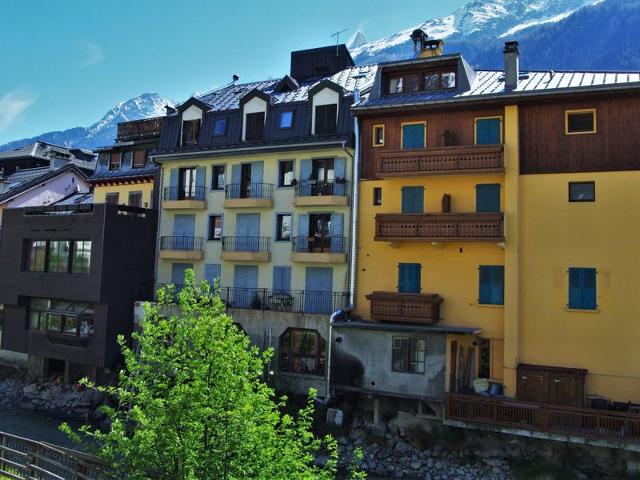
point(356, 41)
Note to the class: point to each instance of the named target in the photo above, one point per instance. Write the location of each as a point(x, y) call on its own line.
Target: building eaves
point(46, 176)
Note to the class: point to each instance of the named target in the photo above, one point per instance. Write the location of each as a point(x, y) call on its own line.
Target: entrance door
point(184, 227)
point(319, 288)
point(245, 285)
point(247, 232)
point(324, 173)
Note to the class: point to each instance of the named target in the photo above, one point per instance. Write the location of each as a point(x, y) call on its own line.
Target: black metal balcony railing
point(248, 190)
point(246, 244)
point(181, 243)
point(59, 209)
point(313, 244)
point(184, 193)
point(313, 188)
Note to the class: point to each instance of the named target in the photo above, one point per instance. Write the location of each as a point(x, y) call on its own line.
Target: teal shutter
point(575, 288)
point(484, 296)
point(257, 169)
point(488, 197)
point(491, 285)
point(413, 136)
point(201, 176)
point(409, 277)
point(337, 230)
point(212, 273)
point(305, 169)
point(174, 177)
point(582, 288)
point(302, 245)
point(488, 131)
point(412, 199)
point(340, 171)
point(281, 279)
point(497, 285)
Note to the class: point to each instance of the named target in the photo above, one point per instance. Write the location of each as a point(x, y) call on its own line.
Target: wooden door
point(533, 386)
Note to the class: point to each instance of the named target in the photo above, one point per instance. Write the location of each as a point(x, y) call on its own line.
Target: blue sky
point(64, 63)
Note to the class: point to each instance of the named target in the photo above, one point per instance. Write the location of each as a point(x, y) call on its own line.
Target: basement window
point(580, 121)
point(408, 355)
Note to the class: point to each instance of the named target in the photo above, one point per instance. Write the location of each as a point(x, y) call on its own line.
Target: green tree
point(192, 403)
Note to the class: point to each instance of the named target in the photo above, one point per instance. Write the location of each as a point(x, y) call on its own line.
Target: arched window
point(302, 351)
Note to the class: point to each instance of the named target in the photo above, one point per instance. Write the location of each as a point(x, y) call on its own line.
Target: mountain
point(558, 34)
point(103, 132)
point(356, 41)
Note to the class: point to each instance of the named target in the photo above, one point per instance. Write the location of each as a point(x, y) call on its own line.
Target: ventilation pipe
point(511, 65)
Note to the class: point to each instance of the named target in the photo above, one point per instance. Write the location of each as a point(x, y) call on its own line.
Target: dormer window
point(439, 80)
point(255, 126)
point(405, 83)
point(220, 127)
point(422, 81)
point(286, 119)
point(326, 119)
point(114, 161)
point(190, 132)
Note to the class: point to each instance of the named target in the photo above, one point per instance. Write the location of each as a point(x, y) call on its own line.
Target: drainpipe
point(354, 205)
point(327, 393)
point(159, 206)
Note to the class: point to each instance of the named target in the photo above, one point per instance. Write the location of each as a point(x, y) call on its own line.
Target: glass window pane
point(432, 81)
point(449, 80)
point(59, 256)
point(286, 119)
point(81, 256)
point(54, 322)
point(395, 85)
point(582, 191)
point(220, 127)
point(411, 83)
point(580, 122)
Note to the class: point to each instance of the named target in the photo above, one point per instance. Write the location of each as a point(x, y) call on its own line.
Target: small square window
point(220, 127)
point(580, 121)
point(215, 227)
point(378, 135)
point(283, 227)
point(217, 177)
point(286, 119)
point(377, 196)
point(112, 198)
point(285, 173)
point(448, 80)
point(582, 191)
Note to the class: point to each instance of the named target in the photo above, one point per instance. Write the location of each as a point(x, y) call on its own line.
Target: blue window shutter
point(306, 166)
point(589, 288)
point(236, 173)
point(340, 167)
point(337, 230)
point(412, 199)
point(409, 277)
point(303, 232)
point(177, 272)
point(575, 288)
point(488, 197)
point(497, 285)
point(212, 272)
point(281, 279)
point(484, 295)
point(201, 175)
point(413, 136)
point(488, 131)
point(256, 172)
point(173, 183)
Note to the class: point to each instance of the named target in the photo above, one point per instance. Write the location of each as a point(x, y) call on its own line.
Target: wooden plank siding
point(460, 123)
point(544, 147)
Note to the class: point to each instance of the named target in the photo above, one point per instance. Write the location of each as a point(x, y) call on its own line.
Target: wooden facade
point(445, 128)
point(615, 145)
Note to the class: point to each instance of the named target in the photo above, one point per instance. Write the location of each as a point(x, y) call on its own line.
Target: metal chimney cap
point(511, 47)
point(418, 34)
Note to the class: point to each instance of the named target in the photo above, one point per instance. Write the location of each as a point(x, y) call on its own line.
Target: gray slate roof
point(23, 180)
point(42, 151)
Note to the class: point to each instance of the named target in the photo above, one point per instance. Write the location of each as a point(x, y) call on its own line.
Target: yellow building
point(256, 195)
point(483, 250)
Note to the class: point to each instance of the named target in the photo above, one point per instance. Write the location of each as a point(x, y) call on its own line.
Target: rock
point(29, 406)
point(401, 446)
point(30, 389)
point(415, 465)
point(343, 441)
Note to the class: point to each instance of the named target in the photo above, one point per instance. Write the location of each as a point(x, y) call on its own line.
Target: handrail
point(315, 188)
point(184, 193)
point(182, 242)
point(246, 244)
point(313, 244)
point(248, 190)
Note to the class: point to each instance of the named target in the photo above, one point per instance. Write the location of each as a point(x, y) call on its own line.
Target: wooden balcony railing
point(138, 129)
point(440, 227)
point(554, 419)
point(405, 307)
point(441, 160)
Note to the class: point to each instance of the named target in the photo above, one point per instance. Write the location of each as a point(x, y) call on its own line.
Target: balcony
point(310, 193)
point(547, 418)
point(246, 248)
point(181, 248)
point(441, 161)
point(184, 198)
point(319, 249)
point(405, 307)
point(289, 301)
point(252, 195)
point(440, 227)
point(139, 129)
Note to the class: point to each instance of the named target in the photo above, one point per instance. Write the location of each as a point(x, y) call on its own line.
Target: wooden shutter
point(281, 279)
point(326, 119)
point(488, 131)
point(139, 158)
point(488, 197)
point(413, 136)
point(337, 231)
point(575, 288)
point(211, 272)
point(409, 277)
point(589, 288)
point(497, 285)
point(255, 126)
point(412, 199)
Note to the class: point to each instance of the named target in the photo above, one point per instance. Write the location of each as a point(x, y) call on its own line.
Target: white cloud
point(12, 105)
point(90, 54)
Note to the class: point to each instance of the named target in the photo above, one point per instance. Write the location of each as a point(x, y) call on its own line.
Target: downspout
point(160, 199)
point(354, 206)
point(327, 393)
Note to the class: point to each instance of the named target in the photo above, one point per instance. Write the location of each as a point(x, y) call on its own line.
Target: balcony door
point(184, 227)
point(247, 232)
point(177, 273)
point(318, 290)
point(319, 232)
point(187, 183)
point(245, 285)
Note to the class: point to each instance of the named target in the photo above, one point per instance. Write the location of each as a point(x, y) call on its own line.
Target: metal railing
point(246, 244)
point(248, 190)
point(554, 419)
point(313, 244)
point(293, 301)
point(21, 458)
point(184, 193)
point(181, 243)
point(137, 129)
point(59, 209)
point(314, 188)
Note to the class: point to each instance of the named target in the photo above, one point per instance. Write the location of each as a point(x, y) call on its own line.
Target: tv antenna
point(336, 35)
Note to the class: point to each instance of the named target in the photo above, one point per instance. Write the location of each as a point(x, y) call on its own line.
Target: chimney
point(423, 48)
point(511, 65)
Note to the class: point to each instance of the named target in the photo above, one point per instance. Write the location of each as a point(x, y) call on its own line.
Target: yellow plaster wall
point(605, 234)
point(448, 269)
point(283, 203)
point(100, 192)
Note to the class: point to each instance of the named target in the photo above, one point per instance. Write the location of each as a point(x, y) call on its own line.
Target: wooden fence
point(21, 458)
point(554, 419)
